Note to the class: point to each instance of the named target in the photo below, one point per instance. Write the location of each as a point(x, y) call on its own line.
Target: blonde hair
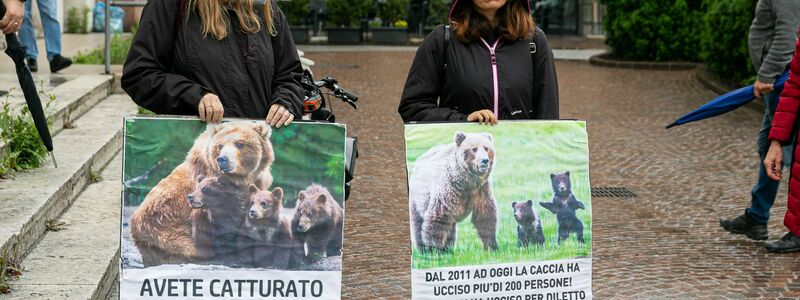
point(214, 16)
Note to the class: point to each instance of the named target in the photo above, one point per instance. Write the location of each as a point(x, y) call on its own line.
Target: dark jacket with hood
point(467, 84)
point(169, 69)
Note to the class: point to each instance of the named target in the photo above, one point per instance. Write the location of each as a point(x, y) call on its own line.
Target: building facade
point(569, 17)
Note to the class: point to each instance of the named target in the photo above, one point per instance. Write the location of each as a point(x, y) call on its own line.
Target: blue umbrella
point(725, 103)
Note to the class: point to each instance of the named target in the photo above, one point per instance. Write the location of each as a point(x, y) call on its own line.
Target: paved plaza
point(665, 243)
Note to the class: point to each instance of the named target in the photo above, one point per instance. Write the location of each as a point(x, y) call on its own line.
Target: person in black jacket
point(212, 58)
point(487, 72)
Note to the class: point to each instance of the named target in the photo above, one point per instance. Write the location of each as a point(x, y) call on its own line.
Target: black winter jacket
point(168, 71)
point(466, 85)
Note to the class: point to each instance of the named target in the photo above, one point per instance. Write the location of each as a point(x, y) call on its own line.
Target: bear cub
point(267, 240)
point(529, 226)
point(318, 223)
point(564, 206)
point(217, 215)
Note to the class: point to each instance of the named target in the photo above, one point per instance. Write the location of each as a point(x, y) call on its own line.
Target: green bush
point(437, 12)
point(724, 39)
point(23, 146)
point(375, 23)
point(296, 11)
point(656, 30)
point(393, 10)
point(119, 51)
point(346, 13)
point(77, 20)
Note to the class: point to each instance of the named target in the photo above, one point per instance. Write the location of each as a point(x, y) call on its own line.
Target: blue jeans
point(763, 193)
point(52, 30)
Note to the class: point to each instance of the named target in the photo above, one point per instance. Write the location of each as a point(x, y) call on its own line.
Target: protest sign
point(236, 210)
point(500, 212)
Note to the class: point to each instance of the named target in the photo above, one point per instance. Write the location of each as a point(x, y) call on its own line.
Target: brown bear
point(266, 240)
point(564, 205)
point(161, 227)
point(449, 183)
point(318, 222)
point(219, 213)
point(529, 226)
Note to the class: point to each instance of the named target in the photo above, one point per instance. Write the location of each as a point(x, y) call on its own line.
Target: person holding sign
point(490, 63)
point(233, 58)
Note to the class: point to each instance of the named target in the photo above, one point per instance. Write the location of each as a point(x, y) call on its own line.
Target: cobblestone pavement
point(666, 243)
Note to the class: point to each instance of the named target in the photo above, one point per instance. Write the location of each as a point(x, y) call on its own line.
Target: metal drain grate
point(612, 192)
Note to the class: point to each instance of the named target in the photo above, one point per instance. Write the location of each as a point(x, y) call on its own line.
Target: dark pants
point(763, 193)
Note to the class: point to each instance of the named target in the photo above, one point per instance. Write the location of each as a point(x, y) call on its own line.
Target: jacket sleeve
point(146, 74)
point(545, 90)
point(286, 88)
point(786, 114)
point(787, 20)
point(423, 88)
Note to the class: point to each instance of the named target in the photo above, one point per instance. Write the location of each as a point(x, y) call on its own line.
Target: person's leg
point(50, 26)
point(753, 222)
point(765, 190)
point(790, 242)
point(26, 33)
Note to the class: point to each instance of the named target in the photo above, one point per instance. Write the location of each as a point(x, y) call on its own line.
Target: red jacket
point(782, 128)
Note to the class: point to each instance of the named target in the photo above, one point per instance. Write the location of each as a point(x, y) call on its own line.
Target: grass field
point(526, 154)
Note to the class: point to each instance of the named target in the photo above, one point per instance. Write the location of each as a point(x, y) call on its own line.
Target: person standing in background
point(52, 36)
point(771, 42)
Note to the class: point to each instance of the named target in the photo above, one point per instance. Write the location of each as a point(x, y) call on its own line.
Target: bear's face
point(239, 148)
point(205, 186)
point(476, 151)
point(212, 191)
point(523, 212)
point(312, 210)
point(561, 184)
point(265, 204)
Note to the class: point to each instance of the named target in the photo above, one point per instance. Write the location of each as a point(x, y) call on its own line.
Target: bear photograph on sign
point(497, 196)
point(227, 201)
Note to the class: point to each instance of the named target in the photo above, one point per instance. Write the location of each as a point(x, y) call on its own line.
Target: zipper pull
point(494, 58)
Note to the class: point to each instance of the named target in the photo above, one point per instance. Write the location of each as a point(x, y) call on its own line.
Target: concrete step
point(33, 197)
point(80, 261)
point(74, 97)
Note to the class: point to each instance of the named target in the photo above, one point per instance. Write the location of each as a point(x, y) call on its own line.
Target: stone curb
point(710, 82)
point(605, 60)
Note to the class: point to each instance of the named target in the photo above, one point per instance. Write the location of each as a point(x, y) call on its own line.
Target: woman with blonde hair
point(490, 63)
point(215, 58)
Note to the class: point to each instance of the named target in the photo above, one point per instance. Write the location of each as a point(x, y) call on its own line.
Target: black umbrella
point(16, 51)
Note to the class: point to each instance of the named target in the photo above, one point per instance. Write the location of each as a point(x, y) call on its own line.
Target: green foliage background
point(346, 13)
point(296, 11)
point(305, 153)
point(437, 12)
point(724, 39)
point(710, 31)
point(120, 44)
point(656, 30)
point(77, 20)
point(393, 10)
point(526, 154)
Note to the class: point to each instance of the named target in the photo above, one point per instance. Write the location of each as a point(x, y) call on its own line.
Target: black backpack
point(531, 44)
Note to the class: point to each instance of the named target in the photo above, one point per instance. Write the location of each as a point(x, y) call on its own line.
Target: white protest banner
point(500, 212)
point(236, 210)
